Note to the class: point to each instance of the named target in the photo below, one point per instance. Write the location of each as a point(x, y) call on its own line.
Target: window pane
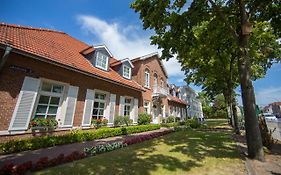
point(51, 117)
point(57, 88)
point(39, 116)
point(102, 96)
point(96, 104)
point(52, 109)
point(95, 111)
point(102, 105)
point(44, 99)
point(41, 109)
point(101, 112)
point(55, 100)
point(127, 100)
point(46, 87)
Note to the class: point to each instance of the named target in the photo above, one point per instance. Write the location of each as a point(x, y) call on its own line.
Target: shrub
point(144, 119)
point(118, 120)
point(43, 123)
point(127, 121)
point(122, 120)
point(170, 119)
point(168, 125)
point(193, 123)
point(71, 137)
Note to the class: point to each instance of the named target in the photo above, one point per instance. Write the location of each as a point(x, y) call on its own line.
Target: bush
point(144, 119)
point(193, 123)
point(170, 119)
point(122, 120)
point(168, 125)
point(182, 128)
point(43, 123)
point(71, 137)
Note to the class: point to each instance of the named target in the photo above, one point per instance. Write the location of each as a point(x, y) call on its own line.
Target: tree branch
point(222, 16)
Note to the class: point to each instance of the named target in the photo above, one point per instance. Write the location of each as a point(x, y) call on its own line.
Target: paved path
point(275, 124)
point(52, 152)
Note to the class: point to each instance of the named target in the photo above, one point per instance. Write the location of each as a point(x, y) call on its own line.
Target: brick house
point(47, 73)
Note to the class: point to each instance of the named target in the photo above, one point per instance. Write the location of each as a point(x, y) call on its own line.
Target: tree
point(174, 33)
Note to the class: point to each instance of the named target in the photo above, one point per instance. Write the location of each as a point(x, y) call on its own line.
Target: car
point(269, 116)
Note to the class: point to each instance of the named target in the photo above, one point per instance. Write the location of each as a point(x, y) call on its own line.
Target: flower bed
point(141, 138)
point(71, 137)
point(42, 163)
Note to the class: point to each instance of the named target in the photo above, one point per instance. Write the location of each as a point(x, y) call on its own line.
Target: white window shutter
point(88, 107)
point(112, 103)
point(106, 111)
point(121, 105)
point(132, 112)
point(149, 111)
point(136, 110)
point(164, 111)
point(70, 106)
point(25, 104)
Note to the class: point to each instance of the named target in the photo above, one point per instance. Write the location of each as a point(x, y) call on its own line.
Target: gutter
point(4, 58)
point(46, 60)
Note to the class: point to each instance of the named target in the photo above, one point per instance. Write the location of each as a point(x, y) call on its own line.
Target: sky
point(114, 24)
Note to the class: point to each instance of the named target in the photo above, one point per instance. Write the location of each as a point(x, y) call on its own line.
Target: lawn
point(184, 152)
point(217, 123)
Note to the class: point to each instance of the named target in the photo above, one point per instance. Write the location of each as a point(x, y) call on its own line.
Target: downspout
point(5, 57)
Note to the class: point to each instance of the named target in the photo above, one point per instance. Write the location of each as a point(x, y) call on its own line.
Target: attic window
point(126, 72)
point(101, 61)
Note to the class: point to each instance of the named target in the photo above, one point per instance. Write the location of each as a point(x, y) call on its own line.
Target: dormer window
point(102, 61)
point(126, 72)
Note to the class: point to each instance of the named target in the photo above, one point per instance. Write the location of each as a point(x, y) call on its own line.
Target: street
point(275, 124)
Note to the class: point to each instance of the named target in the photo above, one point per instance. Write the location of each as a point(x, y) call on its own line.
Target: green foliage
point(122, 120)
point(144, 119)
point(71, 137)
point(168, 125)
point(43, 122)
point(170, 119)
point(193, 123)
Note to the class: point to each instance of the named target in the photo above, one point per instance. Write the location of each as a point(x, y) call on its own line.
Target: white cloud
point(268, 95)
point(124, 41)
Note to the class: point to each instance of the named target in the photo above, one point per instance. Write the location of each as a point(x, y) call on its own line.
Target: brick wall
point(11, 82)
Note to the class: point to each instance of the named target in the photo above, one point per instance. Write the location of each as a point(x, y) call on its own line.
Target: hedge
point(71, 137)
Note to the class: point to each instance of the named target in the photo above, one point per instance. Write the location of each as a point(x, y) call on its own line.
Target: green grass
point(184, 152)
point(217, 123)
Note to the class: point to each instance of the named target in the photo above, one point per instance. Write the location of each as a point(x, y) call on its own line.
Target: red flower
point(33, 123)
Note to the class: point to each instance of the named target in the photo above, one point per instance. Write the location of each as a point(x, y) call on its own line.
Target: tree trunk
point(235, 117)
point(253, 135)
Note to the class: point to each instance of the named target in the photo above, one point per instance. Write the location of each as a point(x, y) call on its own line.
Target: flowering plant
point(99, 122)
point(44, 123)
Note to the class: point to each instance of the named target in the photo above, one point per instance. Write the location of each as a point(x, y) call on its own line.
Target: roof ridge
point(30, 28)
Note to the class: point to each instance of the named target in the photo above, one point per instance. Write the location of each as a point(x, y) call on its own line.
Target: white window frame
point(52, 94)
point(155, 80)
point(127, 104)
point(147, 78)
point(162, 83)
point(101, 56)
point(100, 101)
point(146, 107)
point(125, 73)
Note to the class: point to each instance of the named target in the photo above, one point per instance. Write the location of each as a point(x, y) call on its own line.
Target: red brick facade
point(11, 82)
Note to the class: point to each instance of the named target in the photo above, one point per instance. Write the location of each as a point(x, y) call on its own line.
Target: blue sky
point(113, 23)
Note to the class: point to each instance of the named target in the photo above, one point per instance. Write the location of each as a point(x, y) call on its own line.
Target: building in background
point(194, 109)
point(273, 108)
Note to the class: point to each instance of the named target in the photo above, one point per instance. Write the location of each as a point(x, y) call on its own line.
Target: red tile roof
point(177, 100)
point(57, 47)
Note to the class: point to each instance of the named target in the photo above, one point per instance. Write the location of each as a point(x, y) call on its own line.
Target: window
point(171, 110)
point(127, 107)
point(146, 107)
point(155, 80)
point(99, 104)
point(126, 72)
point(162, 83)
point(50, 96)
point(147, 78)
point(101, 61)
